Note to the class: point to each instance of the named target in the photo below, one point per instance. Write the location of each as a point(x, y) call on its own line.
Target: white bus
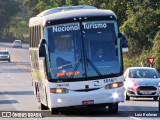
point(76, 58)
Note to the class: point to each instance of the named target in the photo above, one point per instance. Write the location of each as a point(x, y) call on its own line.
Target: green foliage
point(7, 11)
point(140, 26)
point(138, 19)
point(156, 51)
point(31, 7)
point(16, 22)
point(19, 28)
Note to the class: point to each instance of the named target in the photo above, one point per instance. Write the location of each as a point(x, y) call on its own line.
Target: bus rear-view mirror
point(124, 43)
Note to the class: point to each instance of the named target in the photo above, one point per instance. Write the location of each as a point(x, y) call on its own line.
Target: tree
point(8, 9)
point(31, 7)
point(156, 51)
point(138, 19)
point(141, 25)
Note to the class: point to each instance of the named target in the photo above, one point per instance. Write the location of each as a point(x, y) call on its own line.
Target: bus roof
point(61, 13)
point(62, 9)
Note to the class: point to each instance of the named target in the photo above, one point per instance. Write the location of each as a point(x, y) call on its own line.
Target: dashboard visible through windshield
point(83, 50)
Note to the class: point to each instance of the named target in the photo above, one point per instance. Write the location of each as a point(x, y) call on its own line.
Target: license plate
point(145, 92)
point(87, 102)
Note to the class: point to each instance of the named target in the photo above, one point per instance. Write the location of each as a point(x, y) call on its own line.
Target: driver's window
point(63, 43)
point(63, 54)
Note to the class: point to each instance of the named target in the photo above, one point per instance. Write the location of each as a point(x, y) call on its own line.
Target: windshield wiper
point(60, 67)
point(90, 62)
point(94, 67)
point(76, 67)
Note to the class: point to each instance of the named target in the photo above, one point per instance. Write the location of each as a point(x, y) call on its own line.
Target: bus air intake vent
point(86, 90)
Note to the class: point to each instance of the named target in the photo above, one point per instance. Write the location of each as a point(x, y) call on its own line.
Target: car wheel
point(127, 97)
point(113, 107)
point(155, 98)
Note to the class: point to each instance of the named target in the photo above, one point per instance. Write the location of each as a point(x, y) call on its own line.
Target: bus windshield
point(83, 50)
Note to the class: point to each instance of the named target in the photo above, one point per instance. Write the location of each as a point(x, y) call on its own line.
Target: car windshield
point(4, 53)
point(83, 50)
point(17, 41)
point(143, 73)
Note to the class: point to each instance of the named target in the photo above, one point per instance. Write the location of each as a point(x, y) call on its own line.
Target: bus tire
point(113, 107)
point(127, 97)
point(55, 111)
point(155, 98)
point(42, 107)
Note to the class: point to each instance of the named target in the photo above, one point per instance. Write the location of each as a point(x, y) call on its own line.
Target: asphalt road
point(16, 94)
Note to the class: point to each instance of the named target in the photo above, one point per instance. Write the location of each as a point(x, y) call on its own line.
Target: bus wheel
point(155, 98)
point(55, 111)
point(42, 107)
point(127, 97)
point(113, 107)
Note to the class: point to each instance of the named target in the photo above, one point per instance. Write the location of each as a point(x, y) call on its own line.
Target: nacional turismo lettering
point(67, 28)
point(94, 25)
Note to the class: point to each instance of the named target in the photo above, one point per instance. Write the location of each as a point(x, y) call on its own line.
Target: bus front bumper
point(73, 98)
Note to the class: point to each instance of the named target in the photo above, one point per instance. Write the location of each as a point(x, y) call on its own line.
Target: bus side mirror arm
point(124, 42)
point(42, 51)
point(119, 35)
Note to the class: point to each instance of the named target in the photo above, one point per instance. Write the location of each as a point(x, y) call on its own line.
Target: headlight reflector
point(59, 90)
point(114, 85)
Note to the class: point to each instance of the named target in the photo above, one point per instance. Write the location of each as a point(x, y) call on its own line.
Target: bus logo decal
point(94, 25)
point(65, 28)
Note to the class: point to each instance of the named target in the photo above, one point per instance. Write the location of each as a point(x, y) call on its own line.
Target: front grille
point(147, 94)
point(86, 90)
point(147, 88)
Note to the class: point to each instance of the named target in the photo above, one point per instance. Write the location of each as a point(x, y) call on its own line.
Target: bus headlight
point(59, 90)
point(114, 85)
point(115, 95)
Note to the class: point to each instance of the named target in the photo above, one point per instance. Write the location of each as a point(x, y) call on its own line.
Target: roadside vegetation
point(139, 20)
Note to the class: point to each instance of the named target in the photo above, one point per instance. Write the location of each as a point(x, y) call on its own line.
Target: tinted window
point(143, 73)
point(17, 41)
point(3, 53)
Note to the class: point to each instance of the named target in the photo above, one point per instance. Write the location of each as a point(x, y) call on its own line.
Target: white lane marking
point(135, 118)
